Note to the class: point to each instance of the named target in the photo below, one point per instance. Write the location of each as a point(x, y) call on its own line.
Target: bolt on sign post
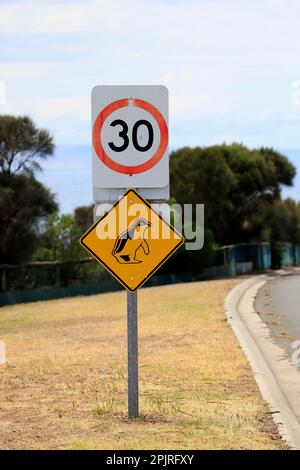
point(131, 240)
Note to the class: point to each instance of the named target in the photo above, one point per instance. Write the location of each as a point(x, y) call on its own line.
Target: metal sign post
point(130, 150)
point(132, 341)
point(132, 254)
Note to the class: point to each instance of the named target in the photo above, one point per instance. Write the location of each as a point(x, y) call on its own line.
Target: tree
point(59, 240)
point(282, 220)
point(194, 262)
point(281, 224)
point(84, 217)
point(22, 145)
point(203, 176)
point(24, 202)
point(233, 183)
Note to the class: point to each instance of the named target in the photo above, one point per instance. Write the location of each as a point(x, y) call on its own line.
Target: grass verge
point(65, 382)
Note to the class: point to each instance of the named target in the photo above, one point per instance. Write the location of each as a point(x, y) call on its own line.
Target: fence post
point(3, 279)
point(57, 275)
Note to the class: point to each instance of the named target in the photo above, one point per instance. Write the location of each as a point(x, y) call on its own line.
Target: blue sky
point(230, 65)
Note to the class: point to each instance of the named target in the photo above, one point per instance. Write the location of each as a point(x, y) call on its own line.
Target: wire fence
point(51, 280)
point(50, 273)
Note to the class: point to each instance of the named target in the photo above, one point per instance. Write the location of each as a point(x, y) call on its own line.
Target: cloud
point(58, 17)
point(291, 117)
point(166, 78)
point(195, 106)
point(2, 92)
point(52, 109)
point(22, 71)
point(226, 63)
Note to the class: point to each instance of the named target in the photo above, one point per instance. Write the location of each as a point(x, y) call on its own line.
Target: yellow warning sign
point(131, 240)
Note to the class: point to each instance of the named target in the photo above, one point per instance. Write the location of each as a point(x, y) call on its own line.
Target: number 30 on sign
point(130, 136)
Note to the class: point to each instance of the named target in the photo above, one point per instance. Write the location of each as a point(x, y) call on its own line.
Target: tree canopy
point(59, 240)
point(83, 216)
point(233, 182)
point(24, 202)
point(22, 145)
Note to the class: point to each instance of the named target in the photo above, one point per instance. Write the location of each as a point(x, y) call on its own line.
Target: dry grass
point(64, 385)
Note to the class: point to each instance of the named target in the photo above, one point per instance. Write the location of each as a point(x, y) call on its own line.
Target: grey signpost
point(132, 341)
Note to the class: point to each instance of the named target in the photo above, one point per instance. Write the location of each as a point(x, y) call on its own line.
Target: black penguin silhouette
point(130, 241)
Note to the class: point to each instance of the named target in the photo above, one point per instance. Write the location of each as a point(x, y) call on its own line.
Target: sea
point(68, 174)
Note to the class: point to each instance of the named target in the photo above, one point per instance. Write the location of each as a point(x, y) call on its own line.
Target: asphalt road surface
point(278, 303)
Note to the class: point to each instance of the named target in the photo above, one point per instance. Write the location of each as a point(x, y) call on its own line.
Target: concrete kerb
point(277, 379)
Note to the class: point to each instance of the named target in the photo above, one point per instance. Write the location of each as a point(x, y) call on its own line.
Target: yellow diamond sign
point(131, 240)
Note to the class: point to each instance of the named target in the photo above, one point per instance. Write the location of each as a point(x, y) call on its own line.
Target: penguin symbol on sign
point(130, 241)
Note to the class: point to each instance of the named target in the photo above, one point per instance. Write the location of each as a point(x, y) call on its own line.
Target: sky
point(232, 67)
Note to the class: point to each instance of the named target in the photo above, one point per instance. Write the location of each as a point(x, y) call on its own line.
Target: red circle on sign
point(101, 118)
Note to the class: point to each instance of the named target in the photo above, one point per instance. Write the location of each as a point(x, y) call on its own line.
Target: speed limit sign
point(130, 137)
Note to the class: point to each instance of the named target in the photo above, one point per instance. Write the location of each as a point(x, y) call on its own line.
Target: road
point(268, 354)
point(278, 304)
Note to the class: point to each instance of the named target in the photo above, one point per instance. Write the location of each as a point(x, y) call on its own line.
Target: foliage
point(22, 144)
point(192, 261)
point(84, 217)
point(276, 254)
point(24, 203)
point(233, 182)
point(59, 240)
point(283, 218)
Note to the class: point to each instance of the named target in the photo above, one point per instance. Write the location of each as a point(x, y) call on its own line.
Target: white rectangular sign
point(130, 140)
